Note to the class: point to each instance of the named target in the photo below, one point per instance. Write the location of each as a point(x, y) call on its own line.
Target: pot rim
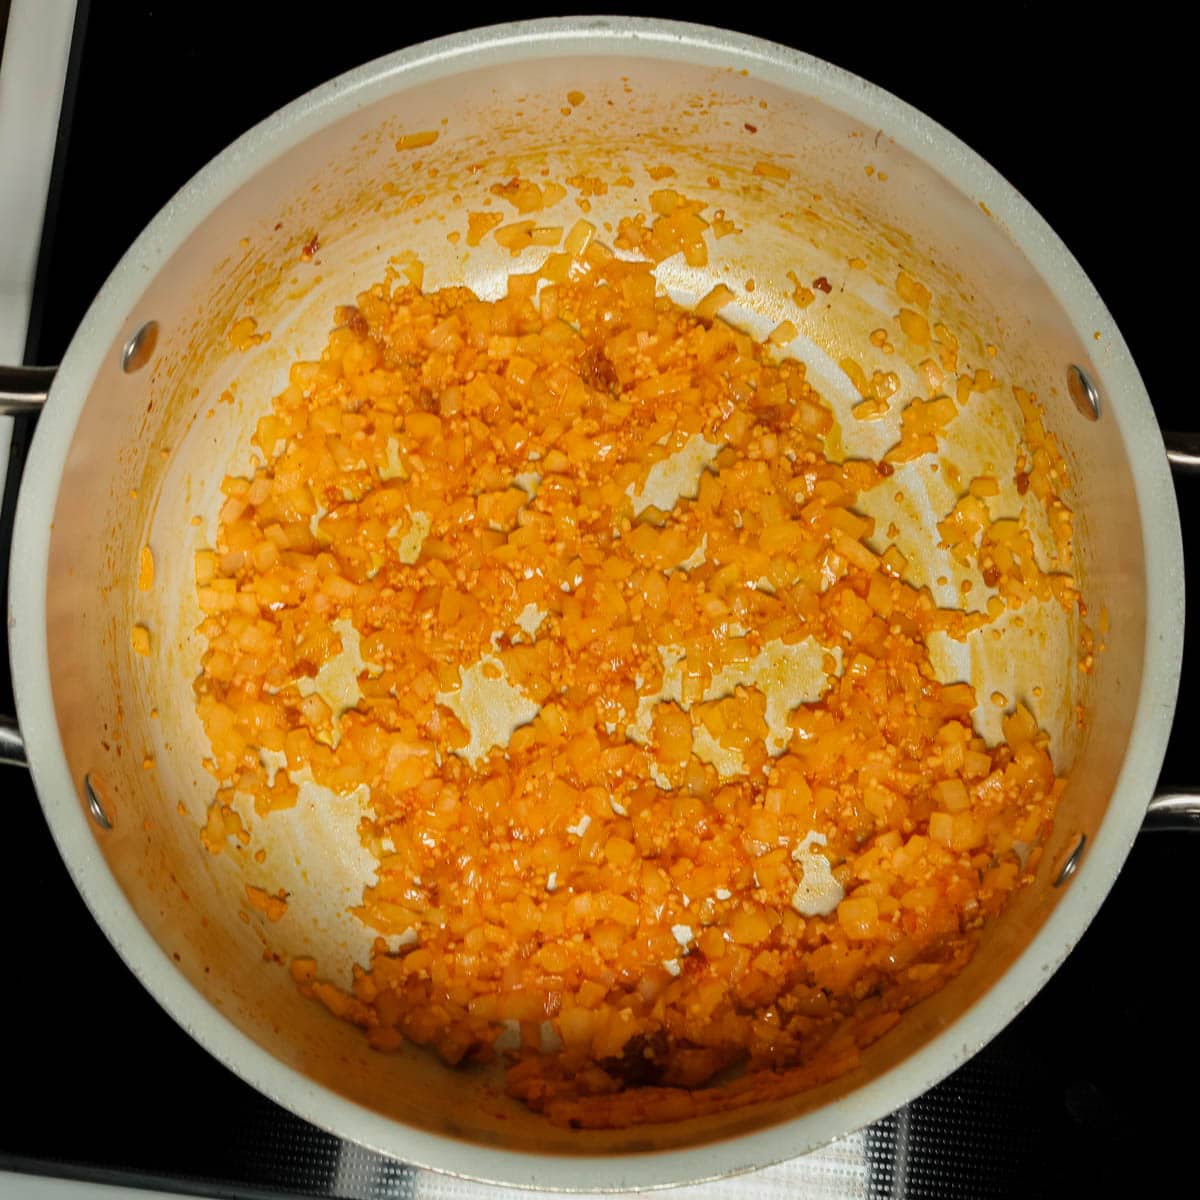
point(107, 319)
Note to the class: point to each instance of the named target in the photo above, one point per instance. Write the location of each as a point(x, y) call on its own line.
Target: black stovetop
point(1086, 117)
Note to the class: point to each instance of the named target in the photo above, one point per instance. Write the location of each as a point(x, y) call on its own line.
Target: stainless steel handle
point(1178, 810)
point(12, 745)
point(1183, 452)
point(23, 390)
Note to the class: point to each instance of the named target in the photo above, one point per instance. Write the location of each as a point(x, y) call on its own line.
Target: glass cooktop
point(1085, 118)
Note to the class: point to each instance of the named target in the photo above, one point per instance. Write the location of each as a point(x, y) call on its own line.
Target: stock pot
point(125, 454)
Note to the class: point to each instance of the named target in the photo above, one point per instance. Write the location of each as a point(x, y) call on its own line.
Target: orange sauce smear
point(604, 902)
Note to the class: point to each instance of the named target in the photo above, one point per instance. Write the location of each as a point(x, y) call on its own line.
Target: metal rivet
point(1083, 392)
point(140, 348)
point(1071, 865)
point(94, 805)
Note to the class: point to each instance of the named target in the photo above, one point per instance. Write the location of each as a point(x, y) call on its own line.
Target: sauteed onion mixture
point(670, 811)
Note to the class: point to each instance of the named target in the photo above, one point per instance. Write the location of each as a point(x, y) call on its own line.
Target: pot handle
point(12, 745)
point(1173, 811)
point(1183, 452)
point(23, 392)
point(1177, 808)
